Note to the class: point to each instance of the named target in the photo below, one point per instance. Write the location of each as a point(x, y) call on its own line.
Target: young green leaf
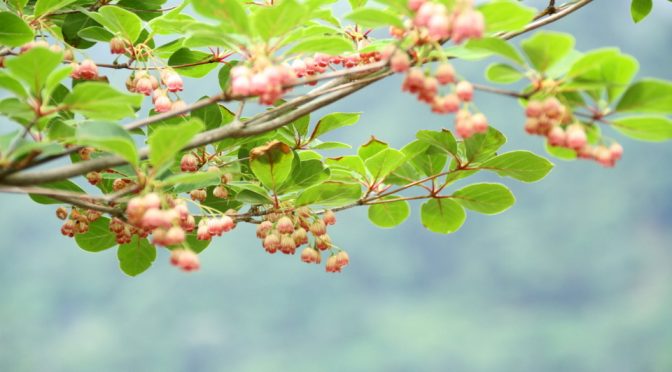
point(277, 20)
point(330, 194)
point(647, 96)
point(442, 216)
point(372, 147)
point(333, 121)
point(137, 256)
point(34, 66)
point(443, 139)
point(118, 20)
point(332, 45)
point(352, 163)
point(43, 7)
point(98, 238)
point(271, 163)
point(497, 46)
point(229, 12)
point(483, 146)
point(14, 31)
point(167, 141)
point(373, 18)
point(506, 15)
point(107, 136)
point(521, 165)
point(384, 162)
point(101, 101)
point(503, 73)
point(547, 48)
point(645, 128)
point(64, 185)
point(95, 33)
point(487, 198)
point(639, 9)
point(184, 56)
point(185, 182)
point(390, 213)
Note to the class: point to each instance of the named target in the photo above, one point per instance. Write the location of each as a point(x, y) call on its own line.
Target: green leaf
point(277, 20)
point(330, 194)
point(97, 100)
point(118, 20)
point(483, 146)
point(487, 198)
point(354, 4)
point(645, 128)
point(521, 165)
point(442, 216)
point(331, 145)
point(230, 12)
point(250, 193)
point(389, 214)
point(95, 33)
point(11, 84)
point(547, 48)
point(167, 141)
point(73, 23)
point(371, 148)
point(506, 15)
point(374, 18)
point(647, 96)
point(15, 31)
point(431, 161)
point(64, 185)
point(224, 75)
point(639, 9)
point(185, 56)
point(332, 45)
point(271, 163)
point(136, 257)
point(497, 46)
point(334, 121)
point(443, 139)
point(43, 7)
point(307, 173)
point(34, 66)
point(384, 162)
point(196, 245)
point(98, 238)
point(503, 73)
point(352, 163)
point(110, 137)
point(185, 182)
point(210, 115)
point(607, 68)
point(562, 153)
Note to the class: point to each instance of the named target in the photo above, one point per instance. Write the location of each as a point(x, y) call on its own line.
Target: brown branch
point(73, 198)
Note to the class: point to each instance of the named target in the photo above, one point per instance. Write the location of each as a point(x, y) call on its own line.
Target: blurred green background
point(577, 276)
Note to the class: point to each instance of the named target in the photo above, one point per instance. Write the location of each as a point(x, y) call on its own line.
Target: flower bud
point(329, 217)
point(464, 91)
point(61, 213)
point(117, 45)
point(285, 225)
point(263, 229)
point(220, 192)
point(189, 163)
point(272, 243)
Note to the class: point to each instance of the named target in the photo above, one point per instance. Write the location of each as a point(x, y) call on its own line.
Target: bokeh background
point(577, 276)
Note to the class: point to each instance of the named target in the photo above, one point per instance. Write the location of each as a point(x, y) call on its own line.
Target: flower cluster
point(287, 232)
point(185, 259)
point(169, 81)
point(426, 87)
point(550, 118)
point(168, 220)
point(433, 22)
point(215, 226)
point(77, 222)
point(270, 82)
